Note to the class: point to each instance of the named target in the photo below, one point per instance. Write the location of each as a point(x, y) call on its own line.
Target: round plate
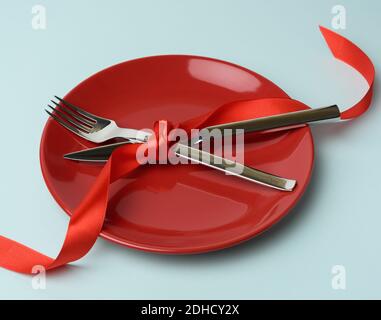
point(183, 208)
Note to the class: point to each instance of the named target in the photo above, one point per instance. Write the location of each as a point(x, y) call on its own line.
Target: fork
point(90, 126)
point(97, 129)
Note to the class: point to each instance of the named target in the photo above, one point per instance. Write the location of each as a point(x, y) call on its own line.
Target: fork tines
point(71, 117)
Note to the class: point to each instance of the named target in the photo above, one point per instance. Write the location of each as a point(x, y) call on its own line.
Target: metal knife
point(102, 153)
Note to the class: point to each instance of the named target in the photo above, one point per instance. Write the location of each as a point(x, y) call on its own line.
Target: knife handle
point(281, 120)
point(230, 167)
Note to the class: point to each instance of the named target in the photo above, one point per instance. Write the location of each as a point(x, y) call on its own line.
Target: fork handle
point(281, 120)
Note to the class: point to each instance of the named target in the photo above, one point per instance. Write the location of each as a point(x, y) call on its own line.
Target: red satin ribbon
point(87, 220)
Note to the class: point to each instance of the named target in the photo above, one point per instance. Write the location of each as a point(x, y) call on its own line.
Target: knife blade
point(97, 154)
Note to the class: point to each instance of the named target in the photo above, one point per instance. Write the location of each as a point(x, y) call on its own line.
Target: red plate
point(184, 208)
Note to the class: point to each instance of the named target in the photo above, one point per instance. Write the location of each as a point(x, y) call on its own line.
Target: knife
point(230, 167)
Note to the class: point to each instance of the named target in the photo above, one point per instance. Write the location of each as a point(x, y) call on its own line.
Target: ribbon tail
point(85, 224)
point(82, 232)
point(346, 51)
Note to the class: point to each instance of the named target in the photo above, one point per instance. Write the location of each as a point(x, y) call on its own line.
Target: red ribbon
point(86, 222)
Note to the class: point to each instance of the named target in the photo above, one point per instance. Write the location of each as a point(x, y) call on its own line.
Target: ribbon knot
point(159, 142)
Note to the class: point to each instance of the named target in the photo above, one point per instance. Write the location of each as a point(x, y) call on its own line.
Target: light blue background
point(338, 220)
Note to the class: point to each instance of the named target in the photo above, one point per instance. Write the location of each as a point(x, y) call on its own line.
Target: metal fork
point(96, 129)
point(90, 126)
